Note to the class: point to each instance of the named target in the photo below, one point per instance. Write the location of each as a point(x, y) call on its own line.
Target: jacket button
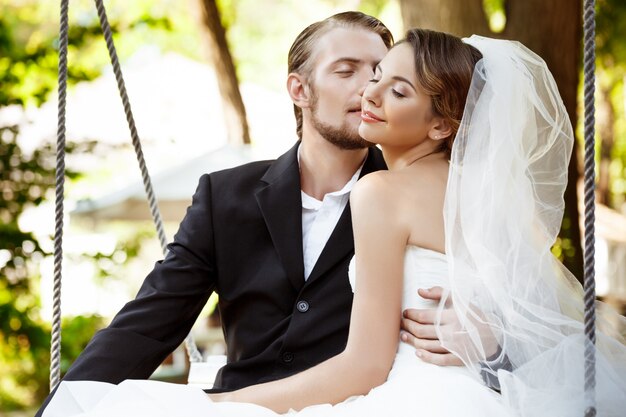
point(287, 357)
point(302, 306)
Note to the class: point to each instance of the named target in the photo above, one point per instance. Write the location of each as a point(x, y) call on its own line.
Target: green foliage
point(496, 14)
point(372, 7)
point(611, 73)
point(29, 47)
point(24, 180)
point(28, 55)
point(24, 338)
point(76, 333)
point(112, 265)
point(610, 31)
point(25, 353)
point(618, 157)
point(228, 12)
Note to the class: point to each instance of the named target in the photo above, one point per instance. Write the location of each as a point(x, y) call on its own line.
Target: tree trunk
point(552, 29)
point(459, 17)
point(232, 103)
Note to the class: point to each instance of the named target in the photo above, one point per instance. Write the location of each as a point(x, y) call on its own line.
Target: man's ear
point(440, 130)
point(298, 90)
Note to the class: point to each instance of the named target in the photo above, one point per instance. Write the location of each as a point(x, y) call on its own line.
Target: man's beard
point(342, 137)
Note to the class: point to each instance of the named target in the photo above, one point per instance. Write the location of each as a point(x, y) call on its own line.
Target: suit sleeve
point(489, 368)
point(170, 299)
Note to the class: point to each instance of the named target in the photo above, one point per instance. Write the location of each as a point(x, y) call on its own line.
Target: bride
point(477, 142)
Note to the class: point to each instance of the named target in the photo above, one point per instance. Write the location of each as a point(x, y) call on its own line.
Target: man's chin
point(358, 141)
point(345, 137)
point(351, 144)
point(352, 140)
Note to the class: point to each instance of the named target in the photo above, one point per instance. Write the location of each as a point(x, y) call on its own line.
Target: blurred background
point(206, 84)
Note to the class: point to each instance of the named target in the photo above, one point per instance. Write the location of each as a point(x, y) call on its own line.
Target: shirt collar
point(313, 203)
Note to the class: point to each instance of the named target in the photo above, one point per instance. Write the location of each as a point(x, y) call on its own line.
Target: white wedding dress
point(414, 387)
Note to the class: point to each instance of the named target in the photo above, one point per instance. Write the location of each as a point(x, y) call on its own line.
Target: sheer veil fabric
point(503, 210)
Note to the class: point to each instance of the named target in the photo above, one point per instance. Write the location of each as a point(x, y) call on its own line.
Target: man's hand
point(419, 330)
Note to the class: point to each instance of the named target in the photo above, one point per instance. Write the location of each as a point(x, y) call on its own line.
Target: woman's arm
point(380, 243)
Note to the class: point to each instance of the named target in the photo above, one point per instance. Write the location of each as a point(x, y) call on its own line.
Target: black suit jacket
point(241, 237)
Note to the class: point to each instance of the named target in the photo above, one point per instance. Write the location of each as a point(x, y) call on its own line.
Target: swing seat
point(202, 374)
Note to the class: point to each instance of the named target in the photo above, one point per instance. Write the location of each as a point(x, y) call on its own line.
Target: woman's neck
point(399, 158)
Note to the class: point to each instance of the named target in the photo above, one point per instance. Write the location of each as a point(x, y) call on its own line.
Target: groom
point(272, 238)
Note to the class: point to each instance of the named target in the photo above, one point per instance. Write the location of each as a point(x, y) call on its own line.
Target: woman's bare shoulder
point(418, 182)
point(377, 186)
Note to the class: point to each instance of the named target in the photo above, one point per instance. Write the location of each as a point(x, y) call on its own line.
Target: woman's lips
point(370, 117)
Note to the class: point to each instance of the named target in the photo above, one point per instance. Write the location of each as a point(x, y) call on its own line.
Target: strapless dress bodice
point(423, 268)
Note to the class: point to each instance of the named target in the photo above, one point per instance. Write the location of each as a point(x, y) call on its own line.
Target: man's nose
point(362, 88)
point(364, 80)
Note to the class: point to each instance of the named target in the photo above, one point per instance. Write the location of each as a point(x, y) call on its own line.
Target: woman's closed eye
point(396, 93)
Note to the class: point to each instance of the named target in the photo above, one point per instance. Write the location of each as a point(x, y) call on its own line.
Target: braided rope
point(55, 344)
point(589, 281)
point(192, 350)
point(154, 209)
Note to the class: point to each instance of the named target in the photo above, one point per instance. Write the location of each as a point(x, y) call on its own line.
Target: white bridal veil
point(503, 210)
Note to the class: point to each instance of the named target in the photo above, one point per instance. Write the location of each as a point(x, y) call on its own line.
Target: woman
point(492, 202)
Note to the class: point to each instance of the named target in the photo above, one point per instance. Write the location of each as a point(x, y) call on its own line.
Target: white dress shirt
point(319, 219)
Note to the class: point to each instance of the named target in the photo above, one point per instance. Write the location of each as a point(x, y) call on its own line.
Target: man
point(272, 238)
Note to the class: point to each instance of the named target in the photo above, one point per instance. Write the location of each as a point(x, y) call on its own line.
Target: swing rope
point(55, 345)
point(154, 208)
point(55, 350)
point(192, 350)
point(589, 27)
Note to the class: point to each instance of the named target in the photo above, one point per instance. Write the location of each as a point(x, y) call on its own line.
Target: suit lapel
point(341, 241)
point(280, 202)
